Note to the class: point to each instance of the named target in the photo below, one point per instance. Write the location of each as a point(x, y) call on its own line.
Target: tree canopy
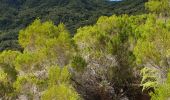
point(118, 58)
point(18, 14)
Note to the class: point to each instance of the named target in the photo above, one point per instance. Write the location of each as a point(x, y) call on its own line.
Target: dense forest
point(17, 14)
point(124, 56)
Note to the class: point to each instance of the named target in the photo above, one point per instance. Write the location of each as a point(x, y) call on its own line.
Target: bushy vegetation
point(17, 14)
point(28, 75)
point(123, 57)
point(162, 92)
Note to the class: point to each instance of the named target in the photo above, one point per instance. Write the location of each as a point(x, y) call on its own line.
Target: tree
point(8, 73)
point(48, 40)
point(152, 49)
point(159, 7)
point(45, 45)
point(107, 48)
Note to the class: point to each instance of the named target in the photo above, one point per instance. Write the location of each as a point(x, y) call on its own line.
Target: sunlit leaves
point(45, 47)
point(29, 86)
point(28, 62)
point(58, 75)
point(163, 91)
point(149, 79)
point(58, 85)
point(159, 6)
point(35, 35)
point(60, 92)
point(3, 76)
point(151, 51)
point(7, 59)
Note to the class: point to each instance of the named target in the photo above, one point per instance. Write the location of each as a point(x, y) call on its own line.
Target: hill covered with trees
point(120, 57)
point(17, 14)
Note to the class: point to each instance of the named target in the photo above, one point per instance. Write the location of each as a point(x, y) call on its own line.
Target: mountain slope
point(17, 14)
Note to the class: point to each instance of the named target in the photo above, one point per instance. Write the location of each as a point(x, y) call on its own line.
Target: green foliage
point(55, 86)
point(60, 92)
point(61, 48)
point(152, 49)
point(17, 14)
point(78, 63)
point(58, 85)
point(108, 48)
point(45, 46)
point(163, 91)
point(101, 61)
point(35, 35)
point(8, 73)
point(143, 39)
point(28, 62)
point(7, 64)
point(149, 78)
point(159, 7)
point(3, 76)
point(27, 80)
point(58, 75)
point(45, 41)
point(34, 71)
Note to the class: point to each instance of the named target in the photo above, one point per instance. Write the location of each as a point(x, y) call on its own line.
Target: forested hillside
point(17, 14)
point(119, 57)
